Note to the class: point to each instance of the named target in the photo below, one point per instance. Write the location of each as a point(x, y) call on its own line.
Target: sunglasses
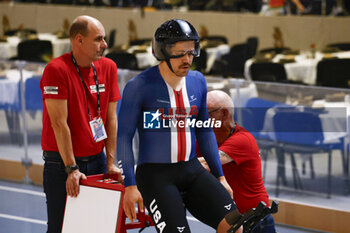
point(182, 53)
point(215, 110)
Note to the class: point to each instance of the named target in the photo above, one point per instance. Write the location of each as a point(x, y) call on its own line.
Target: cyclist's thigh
point(162, 199)
point(208, 200)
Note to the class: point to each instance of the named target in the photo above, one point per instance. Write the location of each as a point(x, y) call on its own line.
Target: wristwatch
point(71, 168)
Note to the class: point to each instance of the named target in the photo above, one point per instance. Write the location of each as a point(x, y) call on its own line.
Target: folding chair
point(298, 131)
point(253, 119)
point(33, 94)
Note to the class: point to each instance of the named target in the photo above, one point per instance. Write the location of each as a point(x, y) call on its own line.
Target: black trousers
point(55, 184)
point(169, 189)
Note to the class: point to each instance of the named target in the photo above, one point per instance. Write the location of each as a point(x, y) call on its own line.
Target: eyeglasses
point(215, 110)
point(178, 54)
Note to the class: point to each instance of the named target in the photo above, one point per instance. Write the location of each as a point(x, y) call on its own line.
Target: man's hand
point(131, 197)
point(113, 169)
point(72, 183)
point(204, 163)
point(223, 181)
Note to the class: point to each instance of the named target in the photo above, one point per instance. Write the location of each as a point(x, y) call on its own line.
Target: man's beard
point(181, 73)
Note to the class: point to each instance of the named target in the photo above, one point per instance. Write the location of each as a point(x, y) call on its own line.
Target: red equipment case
point(99, 208)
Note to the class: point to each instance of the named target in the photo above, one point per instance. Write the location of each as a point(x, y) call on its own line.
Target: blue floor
point(23, 210)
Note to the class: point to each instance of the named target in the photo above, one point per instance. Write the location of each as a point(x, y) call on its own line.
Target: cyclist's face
point(183, 51)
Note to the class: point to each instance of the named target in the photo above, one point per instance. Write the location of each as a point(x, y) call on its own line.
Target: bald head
point(80, 25)
point(220, 107)
point(87, 39)
point(217, 99)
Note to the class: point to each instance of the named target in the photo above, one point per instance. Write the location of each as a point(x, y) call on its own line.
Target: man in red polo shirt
point(240, 159)
point(80, 94)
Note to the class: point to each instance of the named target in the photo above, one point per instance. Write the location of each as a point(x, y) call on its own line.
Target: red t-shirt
point(244, 174)
point(61, 80)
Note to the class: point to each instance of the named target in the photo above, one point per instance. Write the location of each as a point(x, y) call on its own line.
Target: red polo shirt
point(244, 174)
point(61, 80)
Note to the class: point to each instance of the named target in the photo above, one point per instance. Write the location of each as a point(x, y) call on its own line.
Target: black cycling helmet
point(170, 32)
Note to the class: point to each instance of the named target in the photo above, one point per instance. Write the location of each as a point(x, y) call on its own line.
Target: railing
point(311, 172)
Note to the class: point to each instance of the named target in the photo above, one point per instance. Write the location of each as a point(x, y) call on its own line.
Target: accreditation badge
point(98, 129)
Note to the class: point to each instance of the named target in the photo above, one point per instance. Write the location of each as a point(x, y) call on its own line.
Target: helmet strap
point(167, 60)
point(169, 65)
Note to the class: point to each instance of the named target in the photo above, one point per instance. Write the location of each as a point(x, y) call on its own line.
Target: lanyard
point(85, 87)
point(232, 130)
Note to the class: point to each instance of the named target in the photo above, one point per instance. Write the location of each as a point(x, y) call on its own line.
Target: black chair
point(145, 41)
point(346, 6)
point(232, 64)
point(340, 46)
point(34, 50)
point(200, 63)
point(196, 5)
point(124, 60)
point(274, 50)
point(214, 40)
point(252, 46)
point(68, 2)
point(82, 3)
point(268, 71)
point(26, 31)
point(111, 38)
point(333, 73)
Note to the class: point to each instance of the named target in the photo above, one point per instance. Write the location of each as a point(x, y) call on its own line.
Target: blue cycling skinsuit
point(168, 175)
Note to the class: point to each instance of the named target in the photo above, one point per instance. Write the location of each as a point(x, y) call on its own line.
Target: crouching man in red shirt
point(240, 159)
